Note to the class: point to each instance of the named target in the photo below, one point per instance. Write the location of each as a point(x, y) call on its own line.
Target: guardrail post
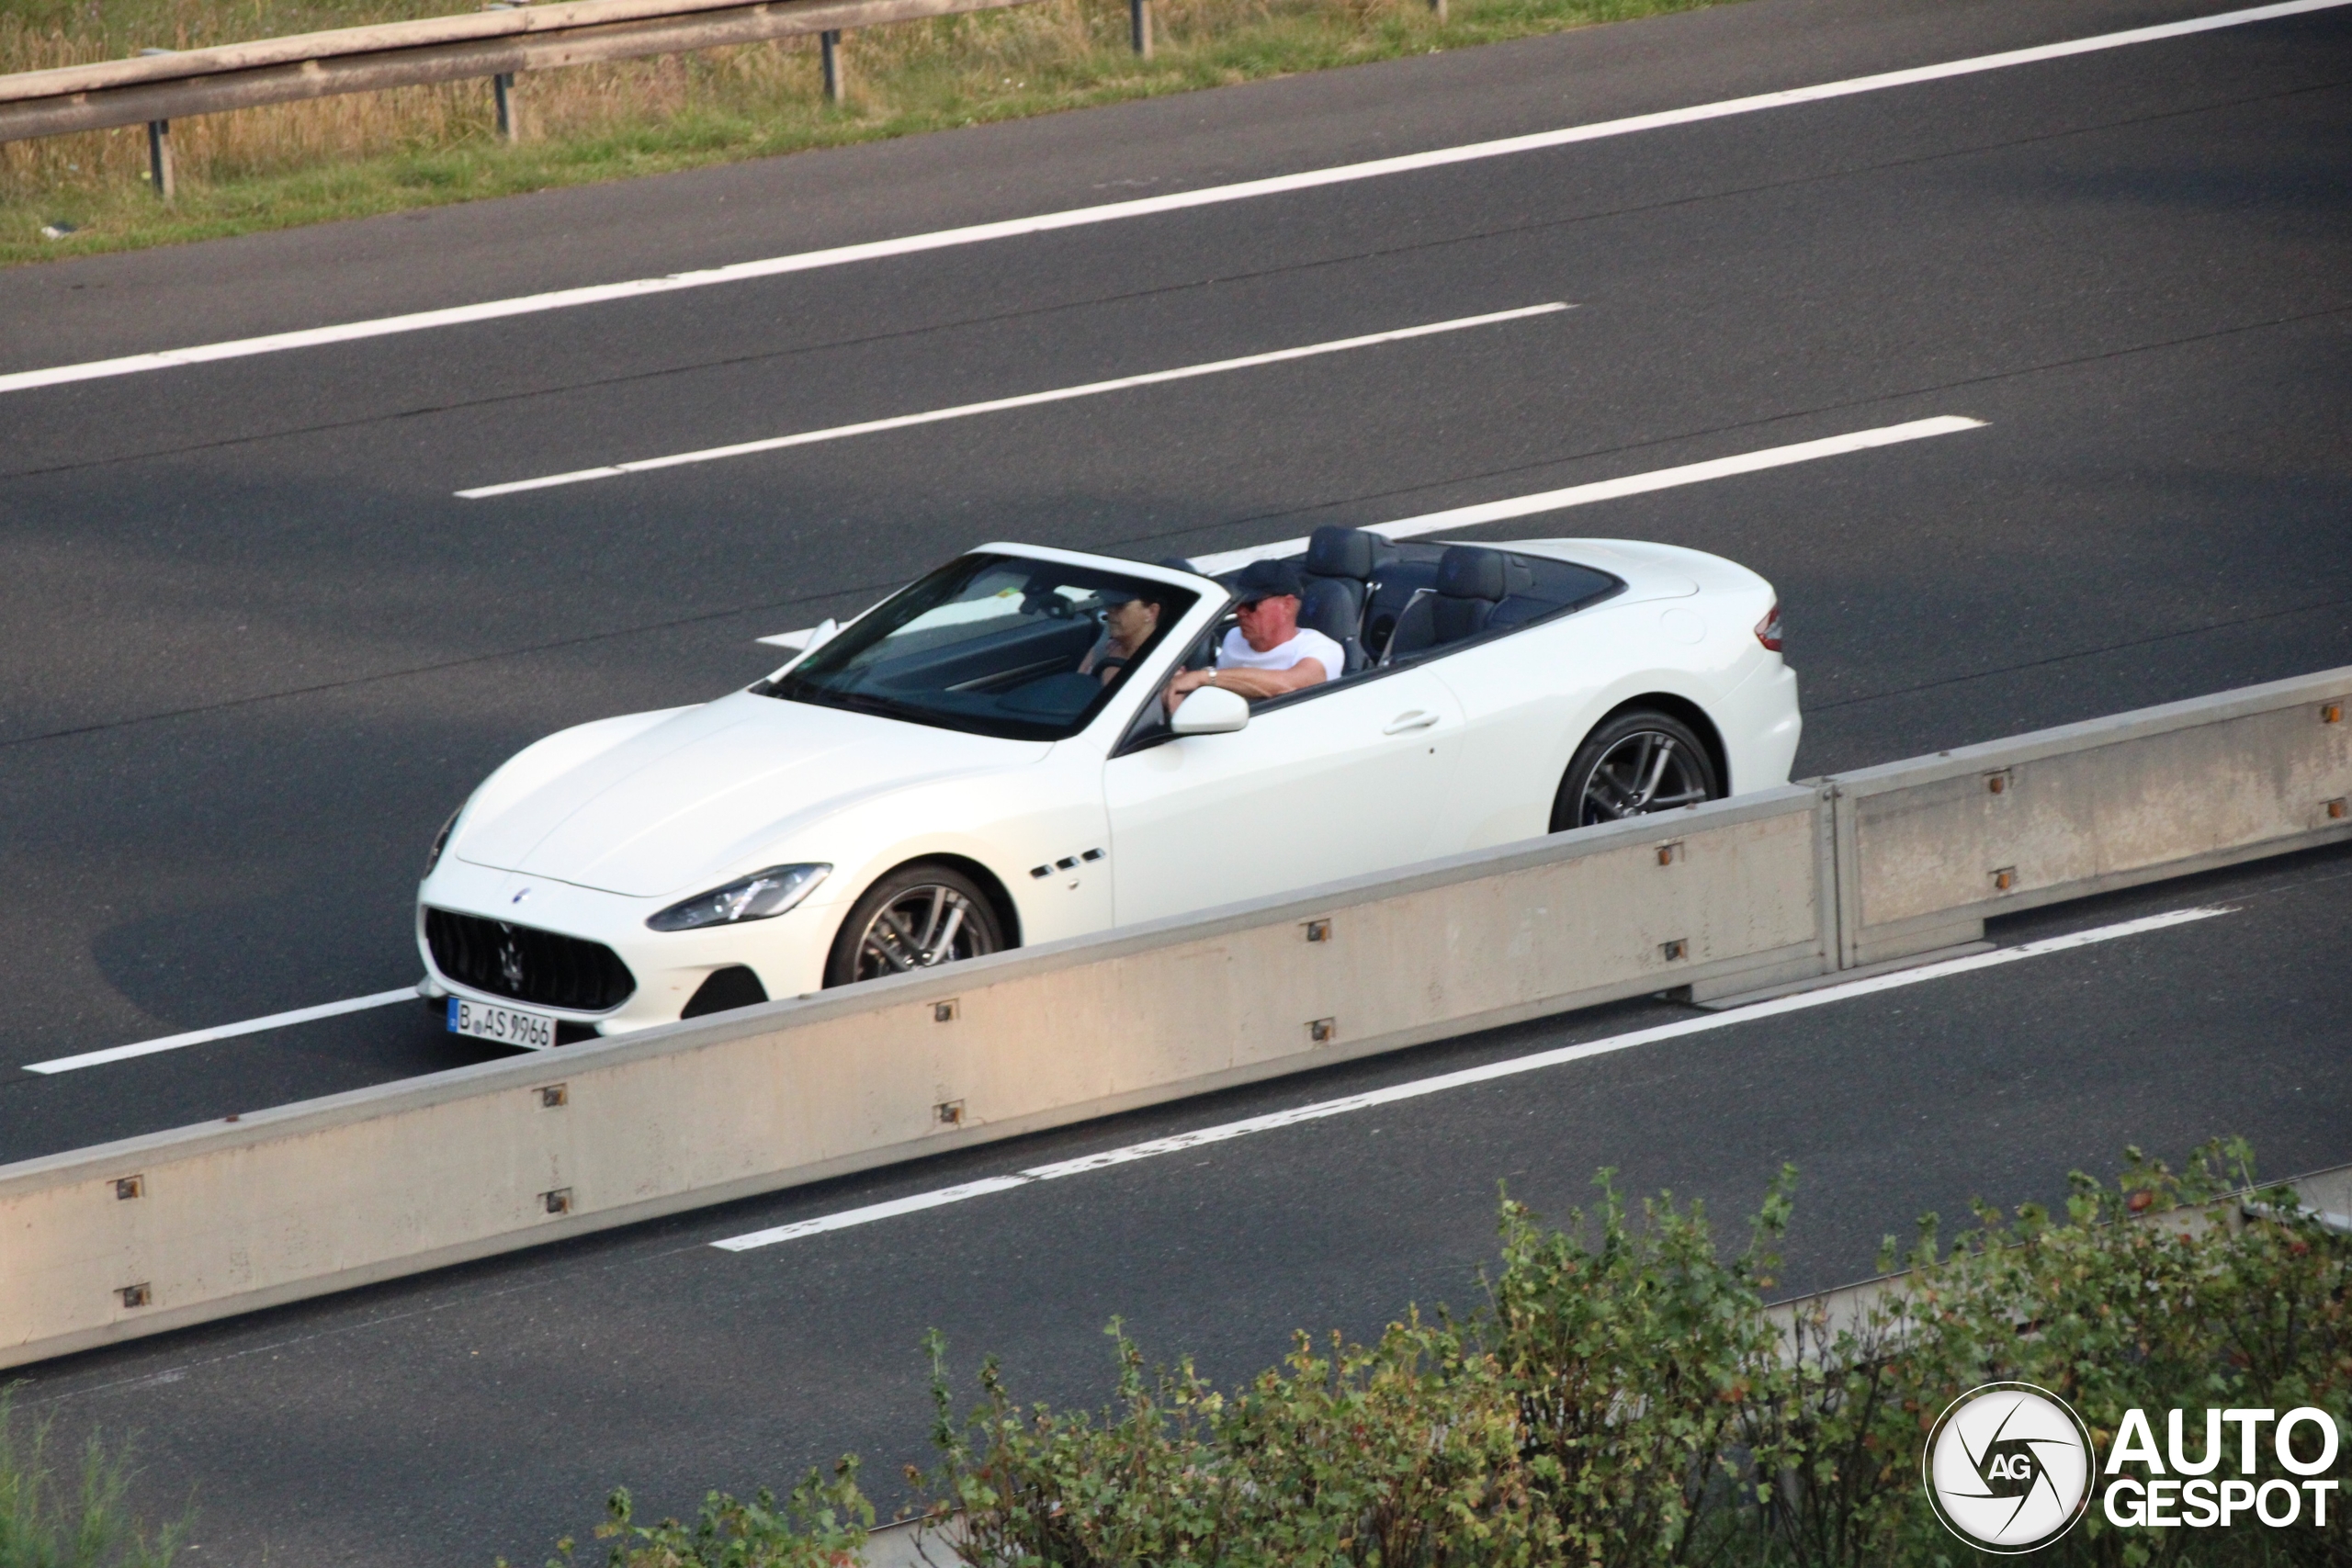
point(502, 85)
point(159, 159)
point(830, 44)
point(159, 150)
point(1437, 9)
point(1139, 27)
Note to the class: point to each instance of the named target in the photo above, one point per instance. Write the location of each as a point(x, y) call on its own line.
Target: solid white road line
point(1611, 489)
point(222, 1032)
point(1111, 212)
point(1025, 400)
point(1422, 1088)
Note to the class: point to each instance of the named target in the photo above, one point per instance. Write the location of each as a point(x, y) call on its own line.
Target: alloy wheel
point(1644, 772)
point(921, 927)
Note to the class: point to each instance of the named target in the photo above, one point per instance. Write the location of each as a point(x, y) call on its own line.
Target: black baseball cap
point(1266, 580)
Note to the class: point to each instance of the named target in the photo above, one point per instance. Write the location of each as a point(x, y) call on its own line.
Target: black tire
point(1641, 760)
point(886, 929)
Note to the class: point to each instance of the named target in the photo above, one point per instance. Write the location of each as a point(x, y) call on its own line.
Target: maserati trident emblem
point(510, 957)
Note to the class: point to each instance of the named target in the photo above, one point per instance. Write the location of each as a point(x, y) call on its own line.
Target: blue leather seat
point(1350, 559)
point(1328, 608)
point(1471, 580)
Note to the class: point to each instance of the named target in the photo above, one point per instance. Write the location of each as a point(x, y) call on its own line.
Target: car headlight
point(758, 897)
point(441, 840)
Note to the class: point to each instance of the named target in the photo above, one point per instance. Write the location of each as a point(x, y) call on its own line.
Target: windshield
point(998, 644)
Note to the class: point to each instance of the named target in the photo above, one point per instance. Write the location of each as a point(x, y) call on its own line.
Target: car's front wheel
point(1641, 760)
point(916, 918)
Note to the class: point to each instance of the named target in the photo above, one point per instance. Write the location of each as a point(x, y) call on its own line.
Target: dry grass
point(381, 152)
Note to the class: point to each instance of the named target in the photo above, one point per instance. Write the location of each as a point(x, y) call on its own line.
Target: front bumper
point(548, 921)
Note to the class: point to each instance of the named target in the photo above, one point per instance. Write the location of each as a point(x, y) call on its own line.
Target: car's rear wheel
point(1640, 761)
point(919, 917)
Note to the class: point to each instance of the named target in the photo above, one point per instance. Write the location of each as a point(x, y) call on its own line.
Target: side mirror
point(823, 632)
point(1210, 710)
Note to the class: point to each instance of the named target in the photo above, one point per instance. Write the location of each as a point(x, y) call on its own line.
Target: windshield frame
point(794, 682)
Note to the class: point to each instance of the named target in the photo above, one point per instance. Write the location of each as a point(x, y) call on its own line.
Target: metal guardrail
point(1770, 890)
point(160, 85)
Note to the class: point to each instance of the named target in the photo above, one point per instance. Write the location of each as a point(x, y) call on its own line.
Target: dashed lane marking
point(222, 1032)
point(1611, 490)
point(1021, 401)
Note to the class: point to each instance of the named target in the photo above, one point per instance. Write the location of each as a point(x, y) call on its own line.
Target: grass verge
point(368, 153)
point(81, 1520)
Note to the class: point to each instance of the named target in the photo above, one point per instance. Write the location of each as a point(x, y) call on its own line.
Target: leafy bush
point(2191, 1306)
point(1404, 1451)
point(822, 1524)
point(1626, 1399)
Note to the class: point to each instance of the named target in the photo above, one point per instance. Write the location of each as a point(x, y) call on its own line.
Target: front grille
point(527, 964)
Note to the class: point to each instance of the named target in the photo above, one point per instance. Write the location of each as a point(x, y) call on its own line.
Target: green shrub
point(1631, 1357)
point(1626, 1399)
point(1404, 1451)
point(2189, 1307)
point(821, 1524)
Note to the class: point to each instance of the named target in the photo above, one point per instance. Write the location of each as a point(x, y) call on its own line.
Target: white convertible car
point(966, 768)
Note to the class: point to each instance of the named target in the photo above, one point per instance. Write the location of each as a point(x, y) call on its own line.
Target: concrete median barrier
point(1927, 849)
point(178, 1227)
point(1769, 889)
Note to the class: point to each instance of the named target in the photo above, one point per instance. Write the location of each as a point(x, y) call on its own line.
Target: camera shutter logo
point(2009, 1468)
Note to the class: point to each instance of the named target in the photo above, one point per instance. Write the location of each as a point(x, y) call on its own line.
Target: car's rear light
point(1767, 630)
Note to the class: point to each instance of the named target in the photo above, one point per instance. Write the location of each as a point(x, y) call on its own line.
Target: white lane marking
point(222, 1031)
point(1611, 489)
point(1111, 212)
point(1574, 495)
point(1023, 400)
point(1422, 1088)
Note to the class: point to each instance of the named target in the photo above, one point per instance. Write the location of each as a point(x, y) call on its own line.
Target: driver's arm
point(1254, 684)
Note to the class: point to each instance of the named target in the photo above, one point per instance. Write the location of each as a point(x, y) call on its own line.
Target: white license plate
point(508, 1026)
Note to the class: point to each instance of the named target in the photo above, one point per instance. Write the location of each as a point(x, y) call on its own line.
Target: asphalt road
point(259, 648)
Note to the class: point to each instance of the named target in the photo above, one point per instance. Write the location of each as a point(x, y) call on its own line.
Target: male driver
point(1269, 653)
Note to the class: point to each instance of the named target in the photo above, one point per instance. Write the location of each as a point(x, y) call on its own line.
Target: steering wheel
point(1053, 606)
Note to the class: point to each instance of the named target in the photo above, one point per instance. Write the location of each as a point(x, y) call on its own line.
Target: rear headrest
point(1343, 552)
point(1471, 571)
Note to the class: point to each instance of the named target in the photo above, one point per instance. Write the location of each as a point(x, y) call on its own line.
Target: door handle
point(1419, 718)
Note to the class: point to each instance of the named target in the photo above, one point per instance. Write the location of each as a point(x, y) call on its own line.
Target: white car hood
point(679, 805)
